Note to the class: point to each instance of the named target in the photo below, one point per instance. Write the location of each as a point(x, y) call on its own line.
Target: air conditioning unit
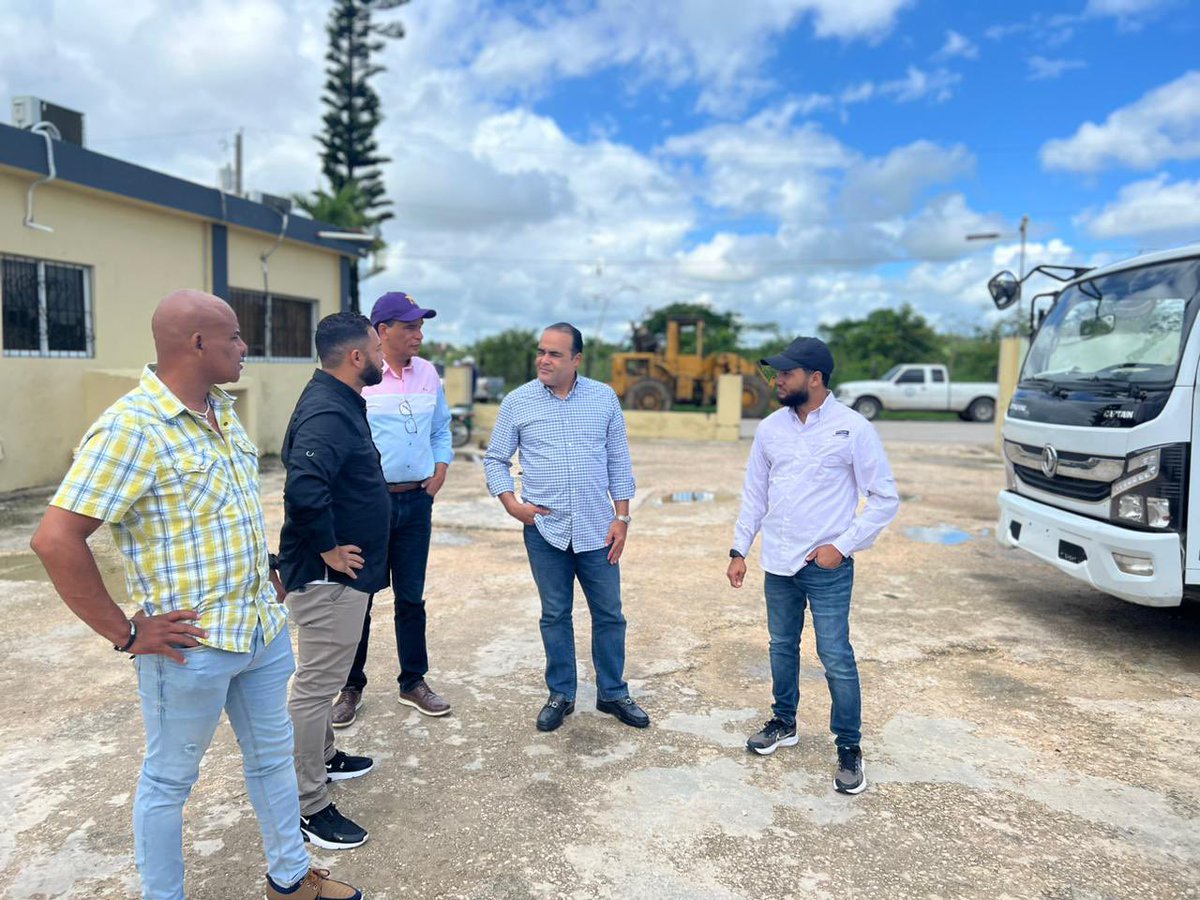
point(275, 202)
point(28, 111)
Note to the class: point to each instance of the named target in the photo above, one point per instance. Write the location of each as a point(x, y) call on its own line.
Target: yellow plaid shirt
point(184, 507)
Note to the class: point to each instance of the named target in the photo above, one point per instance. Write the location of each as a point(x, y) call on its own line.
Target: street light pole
point(1024, 229)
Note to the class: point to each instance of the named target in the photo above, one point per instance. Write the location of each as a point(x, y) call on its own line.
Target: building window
point(47, 308)
point(275, 327)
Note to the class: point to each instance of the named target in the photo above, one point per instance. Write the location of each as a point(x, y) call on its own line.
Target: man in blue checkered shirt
point(576, 484)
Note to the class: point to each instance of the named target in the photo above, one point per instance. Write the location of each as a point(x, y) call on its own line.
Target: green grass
point(918, 415)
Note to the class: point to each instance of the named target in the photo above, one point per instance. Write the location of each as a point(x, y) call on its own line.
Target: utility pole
point(237, 164)
point(1024, 230)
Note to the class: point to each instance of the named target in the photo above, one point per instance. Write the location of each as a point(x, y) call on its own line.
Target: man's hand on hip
point(522, 512)
point(736, 573)
point(165, 634)
point(615, 540)
point(345, 558)
point(826, 556)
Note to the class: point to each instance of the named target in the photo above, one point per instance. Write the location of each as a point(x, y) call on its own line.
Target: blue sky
point(797, 160)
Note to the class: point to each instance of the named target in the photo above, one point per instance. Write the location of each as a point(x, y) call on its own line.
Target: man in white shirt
point(811, 462)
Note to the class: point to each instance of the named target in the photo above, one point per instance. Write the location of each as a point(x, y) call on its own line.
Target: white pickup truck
point(908, 386)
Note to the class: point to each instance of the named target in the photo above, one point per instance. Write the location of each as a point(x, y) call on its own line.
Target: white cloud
point(957, 45)
point(1162, 126)
point(1043, 69)
point(918, 84)
point(887, 186)
point(1156, 206)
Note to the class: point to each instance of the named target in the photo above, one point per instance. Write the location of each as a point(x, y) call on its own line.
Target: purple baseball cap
point(397, 306)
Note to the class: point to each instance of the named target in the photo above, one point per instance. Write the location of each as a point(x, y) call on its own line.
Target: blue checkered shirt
point(574, 457)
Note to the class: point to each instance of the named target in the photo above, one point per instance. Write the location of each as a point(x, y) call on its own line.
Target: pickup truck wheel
point(868, 407)
point(982, 409)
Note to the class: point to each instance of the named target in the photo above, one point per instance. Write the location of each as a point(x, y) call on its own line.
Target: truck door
point(911, 388)
point(938, 393)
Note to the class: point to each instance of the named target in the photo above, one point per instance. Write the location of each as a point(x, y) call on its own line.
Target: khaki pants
point(329, 620)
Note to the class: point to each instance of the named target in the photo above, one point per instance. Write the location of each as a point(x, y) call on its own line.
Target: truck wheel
point(868, 407)
point(648, 395)
point(982, 409)
point(756, 397)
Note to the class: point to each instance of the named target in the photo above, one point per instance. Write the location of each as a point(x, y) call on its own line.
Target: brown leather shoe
point(317, 885)
point(346, 707)
point(423, 698)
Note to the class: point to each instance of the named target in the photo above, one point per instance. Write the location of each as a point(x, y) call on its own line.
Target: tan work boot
point(316, 885)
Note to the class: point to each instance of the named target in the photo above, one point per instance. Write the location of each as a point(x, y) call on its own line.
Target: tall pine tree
point(349, 152)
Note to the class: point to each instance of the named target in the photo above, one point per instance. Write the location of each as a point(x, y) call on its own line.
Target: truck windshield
point(888, 375)
point(1122, 330)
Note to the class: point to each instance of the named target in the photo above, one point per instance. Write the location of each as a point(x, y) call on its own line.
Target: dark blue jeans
point(554, 572)
point(827, 594)
point(408, 554)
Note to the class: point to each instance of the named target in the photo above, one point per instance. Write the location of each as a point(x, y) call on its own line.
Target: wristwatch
point(734, 554)
point(625, 519)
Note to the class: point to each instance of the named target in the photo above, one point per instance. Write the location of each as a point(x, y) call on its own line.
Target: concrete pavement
point(1024, 735)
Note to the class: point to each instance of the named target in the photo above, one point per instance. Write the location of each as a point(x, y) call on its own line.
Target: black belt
point(403, 487)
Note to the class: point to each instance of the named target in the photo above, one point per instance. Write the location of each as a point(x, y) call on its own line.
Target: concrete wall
point(1012, 355)
point(723, 425)
point(137, 254)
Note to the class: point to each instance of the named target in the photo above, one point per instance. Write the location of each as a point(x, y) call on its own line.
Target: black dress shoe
point(557, 708)
point(625, 710)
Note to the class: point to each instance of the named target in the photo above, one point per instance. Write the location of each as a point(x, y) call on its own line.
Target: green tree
point(349, 151)
point(343, 208)
point(509, 355)
point(866, 348)
point(721, 330)
point(973, 357)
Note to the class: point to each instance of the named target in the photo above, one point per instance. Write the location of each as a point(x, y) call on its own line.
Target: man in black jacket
point(332, 556)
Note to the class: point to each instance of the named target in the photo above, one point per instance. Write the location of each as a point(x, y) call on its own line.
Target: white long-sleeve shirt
point(803, 484)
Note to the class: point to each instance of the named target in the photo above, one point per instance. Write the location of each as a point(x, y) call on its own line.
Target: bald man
point(171, 470)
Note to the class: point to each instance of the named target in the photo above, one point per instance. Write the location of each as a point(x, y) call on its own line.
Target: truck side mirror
point(1005, 289)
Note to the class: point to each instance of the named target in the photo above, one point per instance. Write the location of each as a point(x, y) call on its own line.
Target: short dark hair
point(576, 337)
point(338, 333)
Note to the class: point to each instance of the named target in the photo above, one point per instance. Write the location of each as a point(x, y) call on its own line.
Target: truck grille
point(1075, 488)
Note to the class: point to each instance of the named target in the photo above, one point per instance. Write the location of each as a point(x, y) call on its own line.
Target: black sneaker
point(774, 734)
point(331, 830)
point(850, 777)
point(343, 767)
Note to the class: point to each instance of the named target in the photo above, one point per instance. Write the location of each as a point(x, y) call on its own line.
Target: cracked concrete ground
point(1024, 736)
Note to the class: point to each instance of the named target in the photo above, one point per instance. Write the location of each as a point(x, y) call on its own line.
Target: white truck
point(911, 386)
point(1100, 475)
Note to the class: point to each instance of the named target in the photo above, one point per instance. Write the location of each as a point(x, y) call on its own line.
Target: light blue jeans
point(826, 592)
point(181, 707)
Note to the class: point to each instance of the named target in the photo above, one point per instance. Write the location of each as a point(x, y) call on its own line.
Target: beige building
point(85, 258)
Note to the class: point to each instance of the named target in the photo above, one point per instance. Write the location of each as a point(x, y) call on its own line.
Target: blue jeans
point(554, 572)
point(827, 593)
point(181, 706)
point(408, 556)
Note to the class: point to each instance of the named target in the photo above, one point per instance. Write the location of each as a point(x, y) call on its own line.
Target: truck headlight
point(1151, 492)
point(1132, 508)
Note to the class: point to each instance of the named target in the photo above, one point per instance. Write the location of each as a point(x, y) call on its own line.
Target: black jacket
point(335, 492)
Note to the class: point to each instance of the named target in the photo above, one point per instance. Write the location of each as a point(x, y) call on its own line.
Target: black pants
point(408, 554)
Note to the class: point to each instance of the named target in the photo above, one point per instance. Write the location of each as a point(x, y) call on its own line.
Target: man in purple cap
point(811, 462)
point(410, 424)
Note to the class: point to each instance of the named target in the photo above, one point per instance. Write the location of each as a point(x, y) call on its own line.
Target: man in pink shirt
point(410, 425)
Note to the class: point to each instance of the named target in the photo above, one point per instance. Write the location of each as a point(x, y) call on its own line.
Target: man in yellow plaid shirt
point(171, 470)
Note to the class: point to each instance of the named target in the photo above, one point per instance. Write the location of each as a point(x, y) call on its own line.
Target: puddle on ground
point(26, 566)
point(947, 535)
point(21, 567)
point(692, 497)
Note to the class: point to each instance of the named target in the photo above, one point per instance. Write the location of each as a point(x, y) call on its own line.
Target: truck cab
point(1099, 435)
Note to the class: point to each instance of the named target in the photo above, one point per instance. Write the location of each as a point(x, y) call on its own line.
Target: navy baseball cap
point(808, 353)
point(397, 306)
